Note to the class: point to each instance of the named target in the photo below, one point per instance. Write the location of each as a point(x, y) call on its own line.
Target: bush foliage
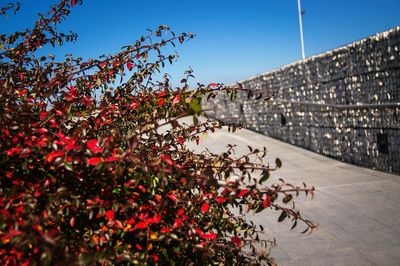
point(87, 176)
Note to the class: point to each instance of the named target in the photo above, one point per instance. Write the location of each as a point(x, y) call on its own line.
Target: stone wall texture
point(344, 103)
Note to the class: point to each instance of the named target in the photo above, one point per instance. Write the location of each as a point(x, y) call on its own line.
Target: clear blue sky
point(234, 39)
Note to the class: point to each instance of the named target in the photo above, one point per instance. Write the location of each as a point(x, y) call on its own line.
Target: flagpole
point(301, 30)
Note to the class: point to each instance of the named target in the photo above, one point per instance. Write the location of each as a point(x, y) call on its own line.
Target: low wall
point(344, 103)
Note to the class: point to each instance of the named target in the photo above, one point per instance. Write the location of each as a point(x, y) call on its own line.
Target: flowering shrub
point(87, 176)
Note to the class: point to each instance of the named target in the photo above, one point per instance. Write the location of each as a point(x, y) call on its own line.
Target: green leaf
point(1, 46)
point(287, 198)
point(68, 166)
point(278, 163)
point(264, 177)
point(116, 191)
point(195, 105)
point(282, 216)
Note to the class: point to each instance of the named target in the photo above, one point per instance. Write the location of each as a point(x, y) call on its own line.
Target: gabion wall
point(344, 103)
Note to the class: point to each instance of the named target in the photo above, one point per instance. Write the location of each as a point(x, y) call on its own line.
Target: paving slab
point(357, 209)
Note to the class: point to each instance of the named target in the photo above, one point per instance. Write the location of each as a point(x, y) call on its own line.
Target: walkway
point(357, 209)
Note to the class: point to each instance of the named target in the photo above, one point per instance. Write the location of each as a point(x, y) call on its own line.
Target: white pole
point(301, 30)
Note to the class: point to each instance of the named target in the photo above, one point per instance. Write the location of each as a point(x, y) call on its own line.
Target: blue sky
point(234, 39)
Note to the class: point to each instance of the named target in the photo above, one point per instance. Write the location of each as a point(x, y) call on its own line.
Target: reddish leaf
point(243, 193)
point(220, 199)
point(167, 159)
point(177, 223)
point(266, 202)
point(111, 159)
point(236, 240)
point(180, 140)
point(176, 99)
point(13, 151)
point(42, 130)
point(93, 146)
point(53, 154)
point(9, 175)
point(130, 221)
point(43, 115)
point(172, 197)
point(11, 234)
point(109, 215)
point(162, 94)
point(180, 212)
point(161, 102)
point(213, 85)
point(72, 221)
point(21, 76)
point(94, 161)
point(156, 219)
point(72, 3)
point(165, 230)
point(133, 106)
point(209, 236)
point(129, 65)
point(141, 225)
point(204, 207)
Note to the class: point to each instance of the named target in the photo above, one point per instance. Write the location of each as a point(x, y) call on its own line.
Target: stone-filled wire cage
point(344, 103)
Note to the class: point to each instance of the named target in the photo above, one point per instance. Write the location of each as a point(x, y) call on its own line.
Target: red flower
point(109, 215)
point(72, 3)
point(213, 85)
point(93, 146)
point(94, 161)
point(204, 207)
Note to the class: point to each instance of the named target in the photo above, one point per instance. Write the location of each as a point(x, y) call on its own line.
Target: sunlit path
point(357, 209)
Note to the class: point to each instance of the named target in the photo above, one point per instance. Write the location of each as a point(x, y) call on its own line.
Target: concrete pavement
point(357, 209)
